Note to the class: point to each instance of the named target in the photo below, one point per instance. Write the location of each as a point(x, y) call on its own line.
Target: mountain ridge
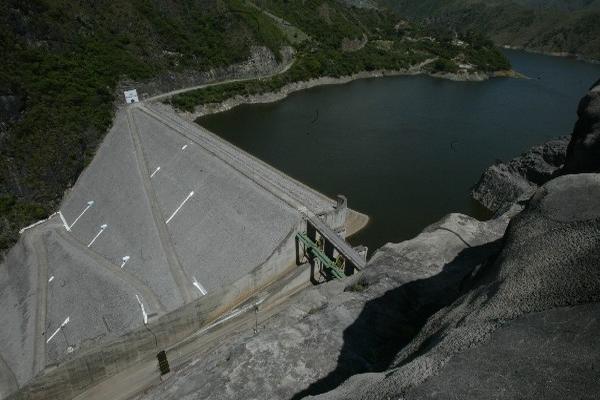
point(556, 27)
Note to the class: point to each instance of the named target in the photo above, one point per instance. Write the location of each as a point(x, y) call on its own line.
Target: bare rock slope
point(583, 154)
point(503, 184)
point(342, 328)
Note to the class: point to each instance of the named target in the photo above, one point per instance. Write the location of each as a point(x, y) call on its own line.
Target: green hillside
point(554, 26)
point(382, 40)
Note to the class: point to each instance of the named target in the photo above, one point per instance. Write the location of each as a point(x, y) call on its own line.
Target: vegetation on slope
point(346, 40)
point(62, 61)
point(554, 26)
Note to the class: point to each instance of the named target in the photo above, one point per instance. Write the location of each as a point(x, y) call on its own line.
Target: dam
point(169, 226)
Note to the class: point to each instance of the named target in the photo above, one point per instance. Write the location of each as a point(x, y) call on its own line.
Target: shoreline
point(286, 90)
point(559, 54)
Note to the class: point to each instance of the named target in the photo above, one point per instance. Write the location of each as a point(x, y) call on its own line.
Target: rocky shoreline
point(261, 63)
point(270, 97)
point(506, 183)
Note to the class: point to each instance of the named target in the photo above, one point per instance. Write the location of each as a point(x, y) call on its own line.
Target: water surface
point(406, 150)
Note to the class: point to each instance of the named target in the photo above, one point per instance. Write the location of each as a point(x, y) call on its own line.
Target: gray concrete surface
point(97, 303)
point(225, 209)
point(18, 287)
point(237, 228)
point(113, 182)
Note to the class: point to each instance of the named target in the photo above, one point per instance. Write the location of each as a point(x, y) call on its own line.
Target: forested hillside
point(553, 26)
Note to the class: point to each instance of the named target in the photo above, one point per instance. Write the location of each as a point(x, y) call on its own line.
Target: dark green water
point(407, 150)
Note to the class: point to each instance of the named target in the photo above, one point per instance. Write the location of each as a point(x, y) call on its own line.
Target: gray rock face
point(528, 358)
point(544, 287)
point(340, 329)
point(506, 183)
point(262, 62)
point(583, 154)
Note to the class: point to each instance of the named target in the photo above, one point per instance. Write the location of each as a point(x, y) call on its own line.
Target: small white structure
point(131, 96)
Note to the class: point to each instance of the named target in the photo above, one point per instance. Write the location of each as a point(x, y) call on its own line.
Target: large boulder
point(583, 154)
point(503, 184)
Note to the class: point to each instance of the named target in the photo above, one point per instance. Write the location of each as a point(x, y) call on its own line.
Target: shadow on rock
point(388, 323)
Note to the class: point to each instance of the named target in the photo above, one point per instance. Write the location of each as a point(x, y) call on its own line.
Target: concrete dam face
point(165, 215)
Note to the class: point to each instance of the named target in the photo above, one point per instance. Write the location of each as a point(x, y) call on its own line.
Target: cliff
point(583, 153)
point(505, 183)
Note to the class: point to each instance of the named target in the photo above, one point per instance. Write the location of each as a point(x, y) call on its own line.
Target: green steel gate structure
point(326, 250)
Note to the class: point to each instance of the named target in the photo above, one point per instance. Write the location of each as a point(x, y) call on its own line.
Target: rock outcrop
point(583, 154)
point(506, 183)
point(262, 62)
point(503, 184)
point(543, 289)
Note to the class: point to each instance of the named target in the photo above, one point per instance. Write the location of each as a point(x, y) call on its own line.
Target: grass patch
point(359, 286)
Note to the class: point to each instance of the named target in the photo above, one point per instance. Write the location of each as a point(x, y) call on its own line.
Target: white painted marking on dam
point(143, 310)
point(199, 287)
point(124, 259)
point(89, 204)
point(181, 205)
point(44, 220)
point(229, 316)
point(65, 322)
point(102, 228)
point(64, 221)
point(155, 171)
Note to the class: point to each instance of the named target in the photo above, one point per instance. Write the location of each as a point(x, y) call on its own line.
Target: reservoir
point(406, 150)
